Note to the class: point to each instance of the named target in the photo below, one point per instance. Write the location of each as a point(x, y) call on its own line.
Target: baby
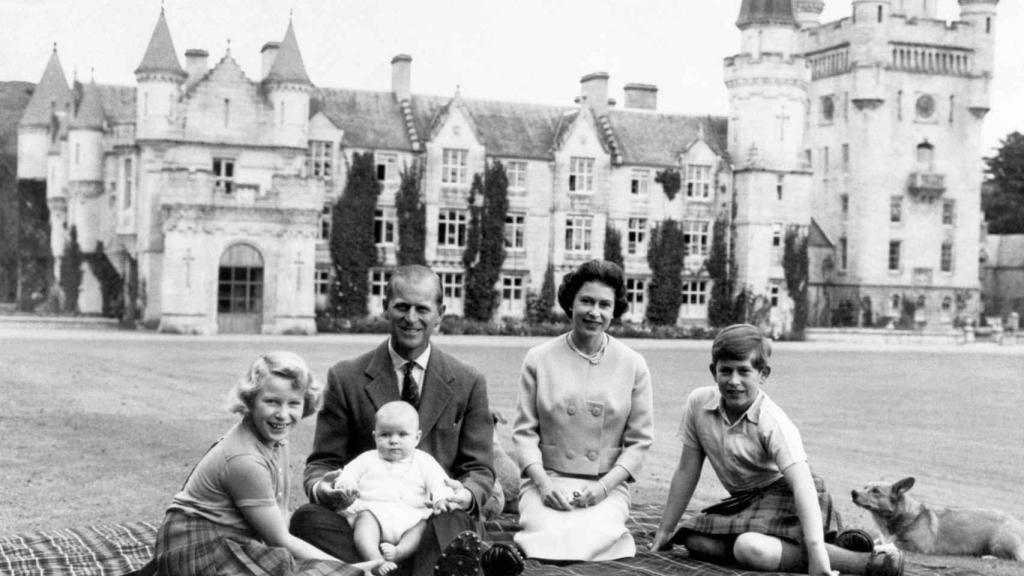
point(393, 489)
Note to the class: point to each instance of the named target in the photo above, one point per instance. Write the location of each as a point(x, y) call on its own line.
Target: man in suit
point(455, 420)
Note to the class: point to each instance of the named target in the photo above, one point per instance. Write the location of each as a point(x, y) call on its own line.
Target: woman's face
point(593, 309)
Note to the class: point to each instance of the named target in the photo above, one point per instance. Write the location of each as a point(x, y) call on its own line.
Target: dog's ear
point(899, 488)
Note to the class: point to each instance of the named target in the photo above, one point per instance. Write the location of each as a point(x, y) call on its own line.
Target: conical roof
point(160, 56)
point(51, 93)
point(766, 12)
point(90, 114)
point(288, 66)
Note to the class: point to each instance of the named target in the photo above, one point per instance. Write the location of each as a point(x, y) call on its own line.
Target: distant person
point(778, 514)
point(230, 516)
point(455, 419)
point(584, 424)
point(394, 489)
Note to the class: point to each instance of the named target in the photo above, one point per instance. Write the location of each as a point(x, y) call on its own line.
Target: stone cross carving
point(188, 259)
point(298, 271)
point(783, 118)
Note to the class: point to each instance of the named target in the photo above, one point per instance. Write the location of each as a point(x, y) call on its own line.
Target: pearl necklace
point(594, 358)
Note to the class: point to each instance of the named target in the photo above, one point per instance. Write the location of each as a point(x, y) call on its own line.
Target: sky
point(518, 50)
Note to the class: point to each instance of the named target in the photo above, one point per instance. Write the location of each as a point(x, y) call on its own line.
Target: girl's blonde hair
point(281, 364)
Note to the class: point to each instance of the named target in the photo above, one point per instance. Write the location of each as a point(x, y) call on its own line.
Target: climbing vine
point(671, 181)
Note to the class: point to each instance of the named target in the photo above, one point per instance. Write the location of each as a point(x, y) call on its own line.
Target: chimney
point(594, 92)
point(641, 96)
point(401, 73)
point(195, 63)
point(269, 53)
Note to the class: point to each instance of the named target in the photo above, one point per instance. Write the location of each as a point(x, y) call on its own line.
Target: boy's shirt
point(749, 453)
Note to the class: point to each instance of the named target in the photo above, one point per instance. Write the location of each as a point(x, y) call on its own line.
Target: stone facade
point(217, 187)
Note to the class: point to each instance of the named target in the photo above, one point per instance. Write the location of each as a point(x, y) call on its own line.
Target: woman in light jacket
point(584, 424)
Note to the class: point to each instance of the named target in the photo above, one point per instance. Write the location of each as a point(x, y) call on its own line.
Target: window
point(695, 299)
point(896, 209)
point(320, 159)
point(453, 166)
point(227, 112)
point(948, 212)
point(696, 237)
point(223, 175)
point(636, 236)
point(451, 285)
point(780, 182)
point(321, 282)
point(129, 183)
point(383, 227)
point(636, 289)
point(326, 214)
point(894, 255)
point(512, 288)
point(946, 257)
point(387, 166)
point(824, 160)
point(846, 157)
point(698, 181)
point(828, 108)
point(925, 107)
point(451, 229)
point(639, 182)
point(577, 234)
point(514, 231)
point(925, 155)
point(379, 279)
point(843, 254)
point(581, 174)
point(777, 242)
point(774, 291)
point(844, 205)
point(516, 172)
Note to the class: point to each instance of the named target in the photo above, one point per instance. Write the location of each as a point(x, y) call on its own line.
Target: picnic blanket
point(114, 550)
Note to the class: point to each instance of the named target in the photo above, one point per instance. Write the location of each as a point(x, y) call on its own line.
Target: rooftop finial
point(228, 50)
point(54, 46)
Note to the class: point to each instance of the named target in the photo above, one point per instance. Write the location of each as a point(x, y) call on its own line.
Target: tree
point(539, 306)
point(71, 271)
point(412, 218)
point(353, 250)
point(720, 304)
point(665, 258)
point(485, 249)
point(795, 266)
point(1003, 201)
point(670, 181)
point(613, 246)
point(35, 259)
point(111, 283)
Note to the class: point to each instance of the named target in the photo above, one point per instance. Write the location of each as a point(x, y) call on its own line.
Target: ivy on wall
point(111, 283)
point(35, 259)
point(795, 266)
point(485, 247)
point(613, 246)
point(671, 181)
point(412, 217)
point(352, 245)
point(71, 272)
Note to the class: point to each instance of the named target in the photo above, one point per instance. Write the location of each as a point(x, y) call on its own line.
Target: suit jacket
point(454, 417)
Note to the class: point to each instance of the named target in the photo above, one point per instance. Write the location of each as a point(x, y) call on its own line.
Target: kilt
point(771, 511)
point(194, 546)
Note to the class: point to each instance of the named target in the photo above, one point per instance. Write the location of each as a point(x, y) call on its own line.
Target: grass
point(104, 427)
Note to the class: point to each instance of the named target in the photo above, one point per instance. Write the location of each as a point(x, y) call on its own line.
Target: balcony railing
point(926, 185)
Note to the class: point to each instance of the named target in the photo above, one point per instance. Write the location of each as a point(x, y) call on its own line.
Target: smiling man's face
point(414, 313)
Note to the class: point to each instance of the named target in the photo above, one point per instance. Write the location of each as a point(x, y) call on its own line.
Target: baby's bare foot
point(386, 568)
point(388, 551)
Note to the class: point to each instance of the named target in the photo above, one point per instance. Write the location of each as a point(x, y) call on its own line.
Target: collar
point(752, 413)
point(397, 362)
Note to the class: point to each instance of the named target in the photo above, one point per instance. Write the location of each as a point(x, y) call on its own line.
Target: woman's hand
point(555, 498)
point(591, 494)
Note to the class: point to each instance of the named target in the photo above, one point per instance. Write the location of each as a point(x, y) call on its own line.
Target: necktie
point(410, 390)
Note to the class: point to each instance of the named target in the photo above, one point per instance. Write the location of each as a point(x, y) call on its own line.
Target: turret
point(41, 121)
point(159, 76)
point(981, 14)
point(288, 89)
point(767, 26)
point(916, 8)
point(808, 13)
point(868, 12)
point(85, 165)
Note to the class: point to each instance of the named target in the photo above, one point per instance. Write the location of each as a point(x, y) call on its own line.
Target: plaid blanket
point(114, 550)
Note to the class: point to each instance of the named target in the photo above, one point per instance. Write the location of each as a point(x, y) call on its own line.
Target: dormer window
point(581, 174)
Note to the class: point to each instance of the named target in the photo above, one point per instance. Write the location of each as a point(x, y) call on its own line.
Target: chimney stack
point(594, 92)
point(269, 53)
point(641, 96)
point(195, 64)
point(401, 77)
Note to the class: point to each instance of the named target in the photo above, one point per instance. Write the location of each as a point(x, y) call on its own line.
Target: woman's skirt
point(770, 510)
point(595, 533)
point(194, 546)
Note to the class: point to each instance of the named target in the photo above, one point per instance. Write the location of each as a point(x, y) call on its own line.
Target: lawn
point(104, 427)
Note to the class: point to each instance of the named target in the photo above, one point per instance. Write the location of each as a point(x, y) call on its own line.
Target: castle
point(214, 190)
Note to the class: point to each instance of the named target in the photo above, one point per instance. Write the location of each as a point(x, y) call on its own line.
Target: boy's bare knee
point(758, 551)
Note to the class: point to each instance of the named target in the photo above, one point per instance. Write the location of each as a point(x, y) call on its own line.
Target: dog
point(505, 494)
point(917, 527)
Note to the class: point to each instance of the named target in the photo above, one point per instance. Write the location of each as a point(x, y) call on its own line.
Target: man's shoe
point(502, 560)
point(855, 540)
point(885, 563)
point(461, 557)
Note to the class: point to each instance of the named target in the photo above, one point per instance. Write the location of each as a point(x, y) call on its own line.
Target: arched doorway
point(240, 291)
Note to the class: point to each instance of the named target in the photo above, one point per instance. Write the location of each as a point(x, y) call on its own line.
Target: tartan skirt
point(771, 510)
point(194, 546)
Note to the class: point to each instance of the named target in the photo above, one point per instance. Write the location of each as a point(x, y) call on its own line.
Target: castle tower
point(159, 76)
point(41, 122)
point(871, 11)
point(767, 84)
point(288, 90)
point(808, 13)
point(85, 186)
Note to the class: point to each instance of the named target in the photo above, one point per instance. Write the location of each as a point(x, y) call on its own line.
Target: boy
point(395, 489)
point(778, 513)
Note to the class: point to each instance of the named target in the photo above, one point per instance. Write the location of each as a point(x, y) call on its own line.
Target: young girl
point(229, 518)
point(778, 514)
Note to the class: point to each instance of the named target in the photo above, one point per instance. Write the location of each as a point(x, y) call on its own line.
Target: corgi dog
point(917, 527)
